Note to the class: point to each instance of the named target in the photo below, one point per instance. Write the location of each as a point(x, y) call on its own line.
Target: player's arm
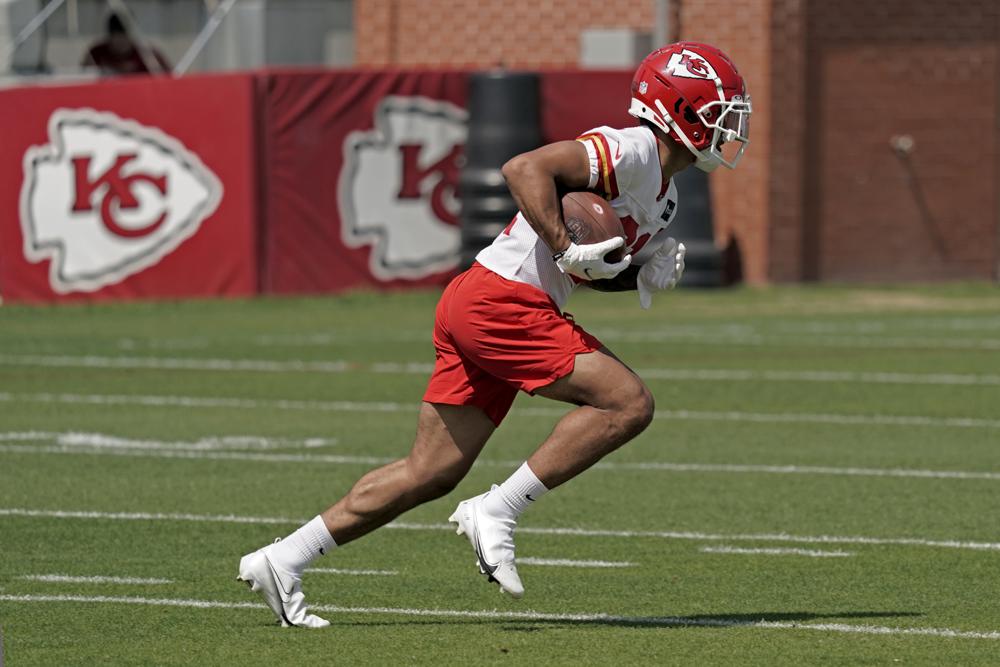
point(534, 180)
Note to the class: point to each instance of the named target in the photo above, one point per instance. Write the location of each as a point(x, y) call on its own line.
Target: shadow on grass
point(518, 623)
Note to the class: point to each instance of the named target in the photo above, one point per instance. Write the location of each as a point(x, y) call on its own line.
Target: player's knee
point(637, 409)
point(439, 486)
point(431, 484)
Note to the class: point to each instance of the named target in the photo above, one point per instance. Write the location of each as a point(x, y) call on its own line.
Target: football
point(589, 218)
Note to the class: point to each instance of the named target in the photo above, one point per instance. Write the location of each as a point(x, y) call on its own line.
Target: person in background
point(117, 54)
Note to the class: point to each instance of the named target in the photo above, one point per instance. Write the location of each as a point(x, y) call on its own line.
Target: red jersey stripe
point(610, 182)
point(602, 184)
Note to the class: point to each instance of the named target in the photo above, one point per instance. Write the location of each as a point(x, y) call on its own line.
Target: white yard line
point(796, 341)
point(169, 453)
point(363, 573)
point(70, 579)
point(210, 443)
point(394, 407)
point(801, 470)
point(422, 368)
point(596, 618)
point(812, 553)
point(71, 446)
point(572, 532)
point(565, 562)
point(849, 377)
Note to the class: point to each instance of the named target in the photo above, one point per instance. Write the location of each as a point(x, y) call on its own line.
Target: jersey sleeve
point(614, 157)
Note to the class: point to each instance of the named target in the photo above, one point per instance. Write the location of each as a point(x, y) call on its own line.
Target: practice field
point(821, 484)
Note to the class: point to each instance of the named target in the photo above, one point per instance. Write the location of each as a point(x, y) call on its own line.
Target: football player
point(500, 329)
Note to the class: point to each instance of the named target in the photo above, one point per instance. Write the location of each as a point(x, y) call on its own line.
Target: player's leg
point(614, 407)
point(448, 440)
point(529, 344)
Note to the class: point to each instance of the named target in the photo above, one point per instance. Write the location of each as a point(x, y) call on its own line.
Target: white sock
point(517, 493)
point(298, 550)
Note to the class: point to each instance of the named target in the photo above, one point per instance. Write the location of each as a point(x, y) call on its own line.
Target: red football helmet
point(694, 93)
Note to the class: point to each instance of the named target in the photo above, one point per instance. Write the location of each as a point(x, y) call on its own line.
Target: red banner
point(283, 182)
point(361, 169)
point(133, 188)
point(576, 101)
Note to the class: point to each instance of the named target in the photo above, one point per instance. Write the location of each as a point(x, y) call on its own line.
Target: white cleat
point(281, 590)
point(492, 538)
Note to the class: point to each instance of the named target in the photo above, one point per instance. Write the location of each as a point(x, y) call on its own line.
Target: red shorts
point(494, 336)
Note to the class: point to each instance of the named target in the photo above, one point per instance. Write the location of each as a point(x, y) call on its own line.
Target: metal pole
point(33, 25)
point(73, 17)
point(661, 30)
point(213, 23)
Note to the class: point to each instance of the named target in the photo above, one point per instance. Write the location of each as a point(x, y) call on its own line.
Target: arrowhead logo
point(397, 187)
point(690, 65)
point(107, 198)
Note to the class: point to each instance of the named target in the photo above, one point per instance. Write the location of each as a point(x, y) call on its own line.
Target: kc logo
point(118, 191)
point(107, 198)
point(397, 188)
point(690, 65)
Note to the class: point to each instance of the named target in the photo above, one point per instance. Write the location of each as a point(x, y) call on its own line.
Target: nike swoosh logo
point(587, 271)
point(490, 569)
point(286, 595)
point(618, 151)
point(528, 496)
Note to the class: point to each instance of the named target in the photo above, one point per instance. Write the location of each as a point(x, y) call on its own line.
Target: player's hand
point(661, 272)
point(587, 261)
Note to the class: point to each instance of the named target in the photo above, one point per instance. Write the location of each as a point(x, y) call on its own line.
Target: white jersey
point(625, 169)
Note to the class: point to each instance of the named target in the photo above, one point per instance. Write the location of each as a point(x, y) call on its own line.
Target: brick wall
point(740, 197)
point(513, 33)
point(787, 105)
point(819, 194)
point(923, 69)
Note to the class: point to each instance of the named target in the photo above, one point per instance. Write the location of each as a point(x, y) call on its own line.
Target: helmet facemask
point(730, 125)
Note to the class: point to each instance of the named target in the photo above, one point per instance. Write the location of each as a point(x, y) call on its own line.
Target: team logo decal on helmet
point(689, 64)
point(694, 93)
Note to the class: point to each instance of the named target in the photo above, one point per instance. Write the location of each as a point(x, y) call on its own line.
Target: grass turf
point(815, 450)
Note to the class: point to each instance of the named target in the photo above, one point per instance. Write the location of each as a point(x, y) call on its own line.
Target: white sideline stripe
point(337, 570)
point(664, 621)
point(69, 579)
point(421, 368)
point(729, 375)
point(812, 553)
point(801, 470)
point(393, 407)
point(166, 453)
point(563, 562)
point(575, 532)
point(86, 449)
point(804, 340)
point(165, 363)
point(103, 440)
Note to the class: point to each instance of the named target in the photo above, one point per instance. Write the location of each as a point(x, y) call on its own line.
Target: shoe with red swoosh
point(492, 539)
point(281, 590)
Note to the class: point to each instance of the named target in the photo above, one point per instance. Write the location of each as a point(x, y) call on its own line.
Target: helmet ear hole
point(690, 116)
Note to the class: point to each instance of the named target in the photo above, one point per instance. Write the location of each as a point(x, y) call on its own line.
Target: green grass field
point(821, 485)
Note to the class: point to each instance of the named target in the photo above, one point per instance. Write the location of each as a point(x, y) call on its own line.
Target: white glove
point(587, 261)
point(661, 272)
